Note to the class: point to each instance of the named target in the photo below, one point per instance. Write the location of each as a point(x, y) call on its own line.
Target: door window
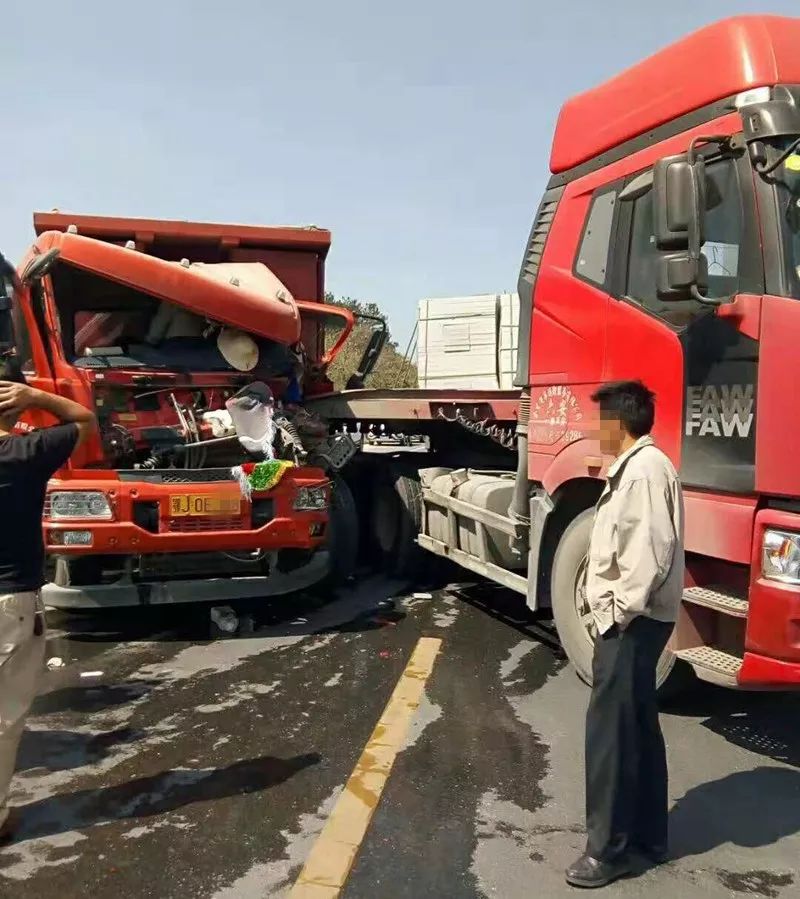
point(723, 239)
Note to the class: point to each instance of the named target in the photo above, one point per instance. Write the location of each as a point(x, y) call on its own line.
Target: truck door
point(700, 360)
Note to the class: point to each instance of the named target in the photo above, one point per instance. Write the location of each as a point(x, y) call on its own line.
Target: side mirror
point(40, 265)
point(377, 341)
point(677, 274)
point(371, 354)
point(679, 203)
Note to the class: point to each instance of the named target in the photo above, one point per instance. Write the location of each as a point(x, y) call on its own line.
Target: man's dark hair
point(629, 401)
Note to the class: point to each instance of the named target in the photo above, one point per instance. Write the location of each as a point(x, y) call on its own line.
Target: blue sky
point(419, 133)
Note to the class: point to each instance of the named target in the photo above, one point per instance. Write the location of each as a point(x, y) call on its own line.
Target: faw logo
point(720, 410)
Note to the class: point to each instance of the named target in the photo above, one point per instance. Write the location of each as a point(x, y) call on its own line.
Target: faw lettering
point(724, 410)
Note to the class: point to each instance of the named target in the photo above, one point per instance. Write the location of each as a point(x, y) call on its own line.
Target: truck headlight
point(310, 499)
point(67, 504)
point(780, 557)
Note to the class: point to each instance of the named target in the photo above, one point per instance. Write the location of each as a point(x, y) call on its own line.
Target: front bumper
point(157, 531)
point(763, 673)
point(219, 589)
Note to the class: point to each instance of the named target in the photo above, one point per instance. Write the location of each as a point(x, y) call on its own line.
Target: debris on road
point(55, 662)
point(91, 673)
point(225, 619)
point(422, 595)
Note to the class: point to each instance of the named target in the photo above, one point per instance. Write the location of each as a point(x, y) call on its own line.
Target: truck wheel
point(571, 611)
point(342, 544)
point(396, 522)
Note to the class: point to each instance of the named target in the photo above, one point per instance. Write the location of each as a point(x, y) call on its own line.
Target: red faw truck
point(112, 313)
point(666, 247)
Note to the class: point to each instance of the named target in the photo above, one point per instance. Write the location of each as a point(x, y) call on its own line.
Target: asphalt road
point(188, 767)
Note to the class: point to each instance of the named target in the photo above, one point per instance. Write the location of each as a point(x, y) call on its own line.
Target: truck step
point(722, 599)
point(711, 664)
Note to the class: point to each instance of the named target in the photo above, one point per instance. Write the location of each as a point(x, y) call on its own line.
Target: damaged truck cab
point(156, 326)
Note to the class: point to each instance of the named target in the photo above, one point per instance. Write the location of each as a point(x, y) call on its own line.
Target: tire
point(342, 543)
point(569, 568)
point(396, 522)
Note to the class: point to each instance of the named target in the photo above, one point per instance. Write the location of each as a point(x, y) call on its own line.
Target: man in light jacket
point(634, 586)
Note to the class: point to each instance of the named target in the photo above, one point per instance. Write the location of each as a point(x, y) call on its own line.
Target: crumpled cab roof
point(247, 296)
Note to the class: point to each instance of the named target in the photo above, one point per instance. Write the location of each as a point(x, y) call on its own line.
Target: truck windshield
point(107, 324)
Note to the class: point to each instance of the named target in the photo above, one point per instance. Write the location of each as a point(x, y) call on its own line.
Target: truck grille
point(198, 525)
point(178, 475)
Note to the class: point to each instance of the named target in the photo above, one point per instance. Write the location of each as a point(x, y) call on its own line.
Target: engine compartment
point(188, 426)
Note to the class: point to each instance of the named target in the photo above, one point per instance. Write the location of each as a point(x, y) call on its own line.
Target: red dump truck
point(666, 247)
point(156, 325)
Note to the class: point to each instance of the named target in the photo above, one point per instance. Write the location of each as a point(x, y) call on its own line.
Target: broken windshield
point(105, 324)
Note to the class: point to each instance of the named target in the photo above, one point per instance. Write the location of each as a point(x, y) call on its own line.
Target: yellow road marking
point(331, 858)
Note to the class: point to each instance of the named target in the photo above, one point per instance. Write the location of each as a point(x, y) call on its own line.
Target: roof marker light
point(754, 95)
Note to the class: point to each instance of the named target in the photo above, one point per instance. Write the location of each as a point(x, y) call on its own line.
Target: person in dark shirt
point(27, 462)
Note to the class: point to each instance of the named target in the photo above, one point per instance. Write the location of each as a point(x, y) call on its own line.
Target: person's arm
point(645, 547)
point(17, 398)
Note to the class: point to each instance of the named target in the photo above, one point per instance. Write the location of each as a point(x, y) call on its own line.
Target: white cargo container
point(468, 342)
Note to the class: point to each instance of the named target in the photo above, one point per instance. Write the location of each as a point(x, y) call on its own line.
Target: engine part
point(291, 442)
point(119, 446)
point(220, 422)
point(333, 453)
point(164, 443)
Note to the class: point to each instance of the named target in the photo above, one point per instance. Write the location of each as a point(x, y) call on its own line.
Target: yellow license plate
point(183, 504)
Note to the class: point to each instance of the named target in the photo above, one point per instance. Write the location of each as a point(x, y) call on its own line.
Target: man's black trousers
point(626, 763)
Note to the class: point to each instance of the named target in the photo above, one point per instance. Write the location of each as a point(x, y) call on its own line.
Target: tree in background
point(392, 370)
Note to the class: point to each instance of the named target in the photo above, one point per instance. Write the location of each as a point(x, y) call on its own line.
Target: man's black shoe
point(590, 872)
point(655, 854)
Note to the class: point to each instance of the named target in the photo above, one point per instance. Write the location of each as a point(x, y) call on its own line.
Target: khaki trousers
point(22, 647)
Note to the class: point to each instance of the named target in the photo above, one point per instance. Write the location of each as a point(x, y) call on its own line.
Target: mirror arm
point(694, 246)
point(709, 301)
point(723, 141)
point(40, 265)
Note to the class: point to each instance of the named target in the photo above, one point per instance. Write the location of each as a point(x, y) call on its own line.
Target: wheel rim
point(583, 610)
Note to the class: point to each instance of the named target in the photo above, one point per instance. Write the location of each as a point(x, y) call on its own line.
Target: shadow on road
point(62, 750)
point(748, 808)
point(159, 794)
point(93, 698)
point(763, 723)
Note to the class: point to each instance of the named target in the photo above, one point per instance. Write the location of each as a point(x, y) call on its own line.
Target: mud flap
point(541, 507)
